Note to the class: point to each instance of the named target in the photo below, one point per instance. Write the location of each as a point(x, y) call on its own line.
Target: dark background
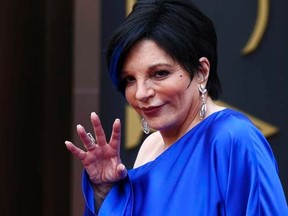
point(35, 109)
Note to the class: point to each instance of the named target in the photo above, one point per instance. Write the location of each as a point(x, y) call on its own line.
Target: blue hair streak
point(114, 67)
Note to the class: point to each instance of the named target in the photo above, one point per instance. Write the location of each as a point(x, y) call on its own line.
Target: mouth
point(152, 110)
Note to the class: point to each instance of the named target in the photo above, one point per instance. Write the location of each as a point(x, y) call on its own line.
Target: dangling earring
point(203, 107)
point(145, 126)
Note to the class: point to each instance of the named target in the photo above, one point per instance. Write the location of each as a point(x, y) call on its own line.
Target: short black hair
point(178, 27)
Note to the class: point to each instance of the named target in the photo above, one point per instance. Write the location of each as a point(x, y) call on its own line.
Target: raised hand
point(101, 160)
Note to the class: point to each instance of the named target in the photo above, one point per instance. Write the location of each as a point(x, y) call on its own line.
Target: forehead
point(146, 52)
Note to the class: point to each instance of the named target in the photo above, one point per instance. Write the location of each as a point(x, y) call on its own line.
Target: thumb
point(121, 171)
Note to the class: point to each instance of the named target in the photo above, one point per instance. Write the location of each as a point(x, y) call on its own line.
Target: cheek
point(175, 92)
point(181, 96)
point(129, 96)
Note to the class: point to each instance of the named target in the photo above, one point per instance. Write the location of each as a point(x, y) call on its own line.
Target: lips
point(151, 111)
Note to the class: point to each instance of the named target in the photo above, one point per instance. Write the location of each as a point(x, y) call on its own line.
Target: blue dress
point(223, 166)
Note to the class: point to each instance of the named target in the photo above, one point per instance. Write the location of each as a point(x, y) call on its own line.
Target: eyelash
point(158, 75)
point(161, 74)
point(127, 80)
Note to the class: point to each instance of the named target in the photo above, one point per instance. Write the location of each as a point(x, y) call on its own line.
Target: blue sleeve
point(248, 174)
point(117, 202)
point(88, 194)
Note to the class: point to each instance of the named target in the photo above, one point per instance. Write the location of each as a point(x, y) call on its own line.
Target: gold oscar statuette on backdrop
point(259, 28)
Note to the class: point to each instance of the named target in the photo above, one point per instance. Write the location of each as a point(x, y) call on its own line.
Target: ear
point(203, 71)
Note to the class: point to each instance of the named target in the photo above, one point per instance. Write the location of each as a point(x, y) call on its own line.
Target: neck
point(172, 135)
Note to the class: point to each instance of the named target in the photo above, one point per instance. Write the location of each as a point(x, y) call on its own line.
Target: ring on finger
point(92, 141)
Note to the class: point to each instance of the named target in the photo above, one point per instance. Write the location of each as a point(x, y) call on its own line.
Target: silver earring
point(145, 126)
point(203, 107)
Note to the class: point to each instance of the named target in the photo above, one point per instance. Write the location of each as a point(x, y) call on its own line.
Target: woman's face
point(159, 89)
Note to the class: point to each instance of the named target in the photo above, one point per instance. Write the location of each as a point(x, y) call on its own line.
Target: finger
point(79, 153)
point(121, 171)
point(98, 130)
point(92, 142)
point(86, 140)
point(116, 134)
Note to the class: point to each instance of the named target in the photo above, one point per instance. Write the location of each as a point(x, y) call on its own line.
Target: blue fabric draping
point(223, 166)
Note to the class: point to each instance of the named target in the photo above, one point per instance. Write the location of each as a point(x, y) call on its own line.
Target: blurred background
point(53, 75)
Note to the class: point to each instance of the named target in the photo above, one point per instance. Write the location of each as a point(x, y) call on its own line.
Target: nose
point(144, 91)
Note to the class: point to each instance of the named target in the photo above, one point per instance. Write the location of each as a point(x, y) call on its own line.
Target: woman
point(203, 159)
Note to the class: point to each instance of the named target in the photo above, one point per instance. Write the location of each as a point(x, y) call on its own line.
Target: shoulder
point(234, 138)
point(232, 123)
point(150, 149)
point(231, 131)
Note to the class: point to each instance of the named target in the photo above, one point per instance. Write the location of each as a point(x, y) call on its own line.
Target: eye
point(160, 74)
point(127, 81)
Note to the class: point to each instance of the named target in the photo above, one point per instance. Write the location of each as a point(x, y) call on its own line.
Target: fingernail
point(67, 143)
point(93, 113)
point(78, 126)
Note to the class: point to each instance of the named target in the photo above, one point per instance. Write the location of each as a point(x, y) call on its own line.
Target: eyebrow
point(152, 67)
point(159, 65)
